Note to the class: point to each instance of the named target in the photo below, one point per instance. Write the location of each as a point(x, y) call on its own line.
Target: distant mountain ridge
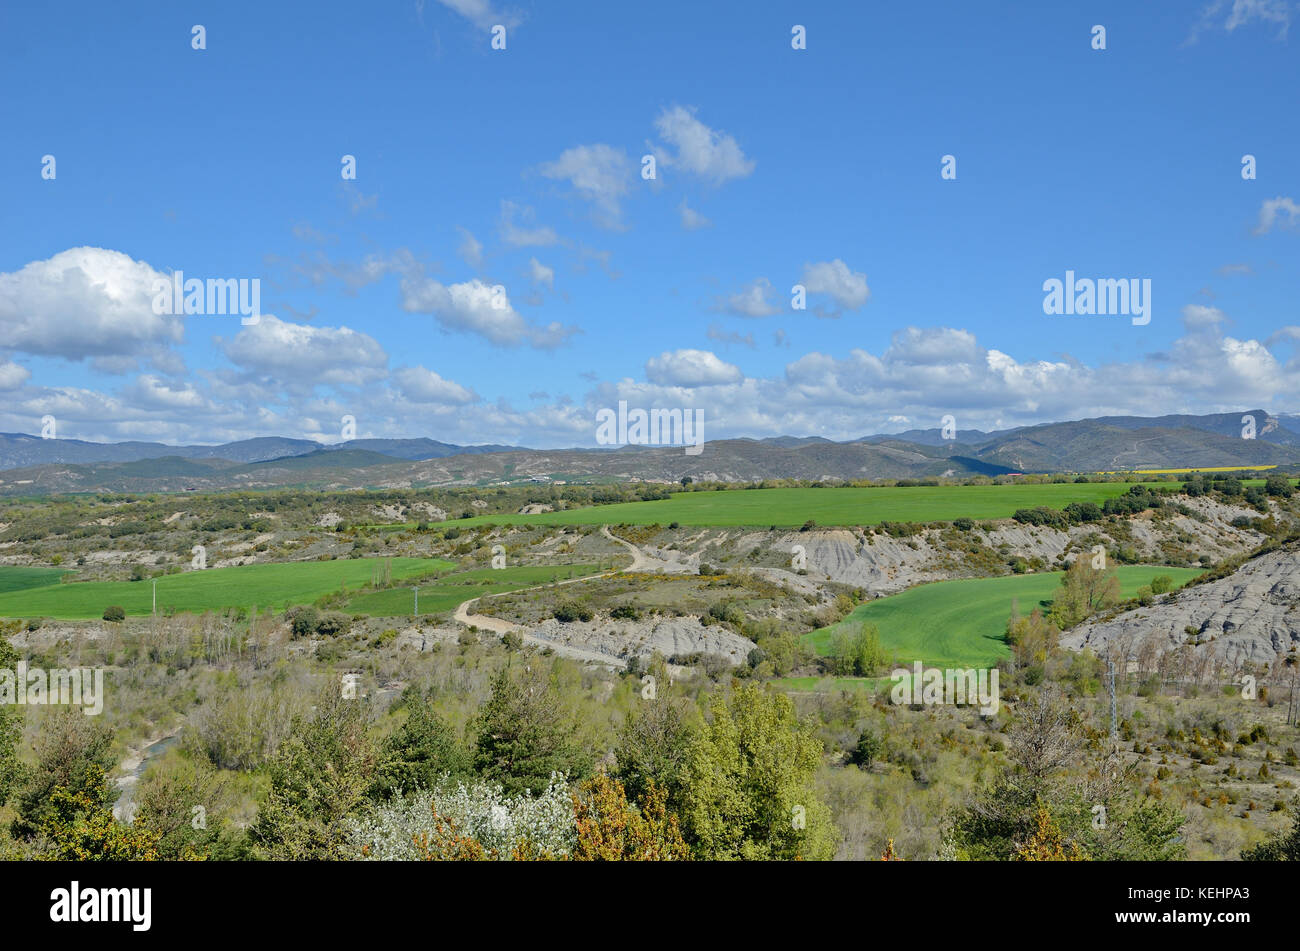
point(29, 464)
point(19, 450)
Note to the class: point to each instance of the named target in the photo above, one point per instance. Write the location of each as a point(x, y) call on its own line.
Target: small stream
point(133, 767)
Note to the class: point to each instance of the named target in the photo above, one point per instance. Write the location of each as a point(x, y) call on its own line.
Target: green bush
point(115, 612)
point(568, 613)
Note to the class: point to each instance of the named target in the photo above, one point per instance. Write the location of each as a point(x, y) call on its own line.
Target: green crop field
point(963, 623)
point(827, 506)
point(828, 684)
point(20, 577)
point(444, 593)
point(263, 586)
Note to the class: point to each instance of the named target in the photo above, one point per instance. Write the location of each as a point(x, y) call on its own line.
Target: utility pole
point(1110, 685)
point(416, 612)
point(155, 597)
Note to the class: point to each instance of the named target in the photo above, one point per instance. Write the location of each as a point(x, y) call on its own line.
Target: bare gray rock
point(1251, 615)
point(668, 636)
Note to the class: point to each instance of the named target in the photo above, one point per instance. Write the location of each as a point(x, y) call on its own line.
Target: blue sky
point(521, 169)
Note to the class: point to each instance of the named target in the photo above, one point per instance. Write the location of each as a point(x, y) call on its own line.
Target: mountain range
point(32, 465)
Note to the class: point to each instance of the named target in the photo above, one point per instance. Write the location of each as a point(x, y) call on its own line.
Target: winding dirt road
point(499, 626)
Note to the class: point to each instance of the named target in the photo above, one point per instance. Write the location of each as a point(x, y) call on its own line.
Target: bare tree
point(1044, 739)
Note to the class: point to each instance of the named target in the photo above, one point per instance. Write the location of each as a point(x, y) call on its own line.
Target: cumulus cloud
point(599, 174)
point(84, 302)
point(933, 345)
point(753, 300)
point(150, 392)
point(1198, 317)
point(13, 375)
point(1278, 212)
point(300, 354)
point(420, 385)
point(691, 368)
point(834, 278)
point(712, 155)
point(478, 308)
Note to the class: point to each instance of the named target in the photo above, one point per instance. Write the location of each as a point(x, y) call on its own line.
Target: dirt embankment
point(1251, 615)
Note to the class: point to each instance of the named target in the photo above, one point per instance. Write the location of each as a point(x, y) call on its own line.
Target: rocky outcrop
point(1251, 615)
point(669, 636)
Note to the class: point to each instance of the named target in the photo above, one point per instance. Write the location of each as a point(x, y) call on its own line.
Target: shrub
point(572, 611)
point(114, 612)
point(303, 621)
point(332, 624)
point(1278, 485)
point(1083, 512)
point(1042, 515)
point(866, 750)
point(480, 810)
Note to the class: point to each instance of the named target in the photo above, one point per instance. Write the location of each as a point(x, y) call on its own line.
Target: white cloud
point(1241, 13)
point(1197, 317)
point(933, 345)
point(847, 288)
point(12, 375)
point(1280, 211)
point(712, 155)
point(150, 392)
point(753, 300)
point(541, 274)
point(303, 355)
point(692, 220)
point(481, 13)
point(425, 386)
point(691, 368)
point(525, 235)
point(598, 173)
point(84, 302)
point(478, 308)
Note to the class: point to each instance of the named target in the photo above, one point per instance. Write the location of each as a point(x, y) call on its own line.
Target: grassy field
point(963, 623)
point(829, 684)
point(20, 577)
point(262, 586)
point(444, 593)
point(847, 506)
